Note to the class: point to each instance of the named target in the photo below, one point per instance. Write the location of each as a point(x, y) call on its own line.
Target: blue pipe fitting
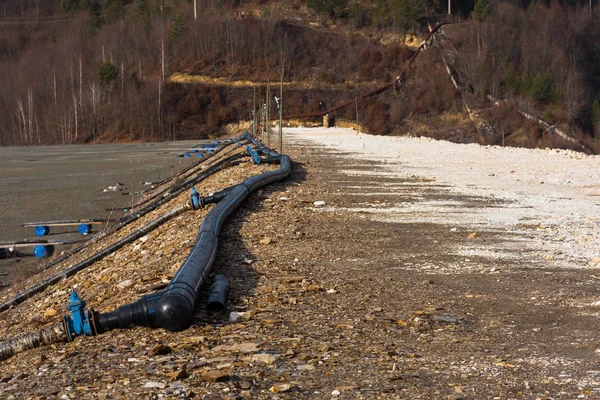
point(256, 158)
point(249, 150)
point(84, 229)
point(79, 323)
point(40, 251)
point(41, 230)
point(197, 200)
point(187, 155)
point(200, 155)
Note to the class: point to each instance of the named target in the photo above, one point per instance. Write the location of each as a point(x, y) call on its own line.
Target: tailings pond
point(49, 183)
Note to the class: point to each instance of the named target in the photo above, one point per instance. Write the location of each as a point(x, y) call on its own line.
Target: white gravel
point(547, 202)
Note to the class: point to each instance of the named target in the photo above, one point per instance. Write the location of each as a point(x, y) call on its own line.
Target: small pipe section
point(51, 334)
point(217, 294)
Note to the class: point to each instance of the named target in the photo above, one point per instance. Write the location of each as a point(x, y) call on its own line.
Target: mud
point(67, 182)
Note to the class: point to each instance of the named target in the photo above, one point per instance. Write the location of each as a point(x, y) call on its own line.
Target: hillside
point(96, 71)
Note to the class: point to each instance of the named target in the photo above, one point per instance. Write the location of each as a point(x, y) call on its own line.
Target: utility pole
point(278, 102)
point(449, 8)
point(195, 11)
point(267, 118)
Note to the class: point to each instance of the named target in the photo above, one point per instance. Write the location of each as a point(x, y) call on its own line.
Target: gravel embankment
point(383, 268)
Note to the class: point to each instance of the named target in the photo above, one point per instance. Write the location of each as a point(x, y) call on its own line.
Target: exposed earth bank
point(383, 268)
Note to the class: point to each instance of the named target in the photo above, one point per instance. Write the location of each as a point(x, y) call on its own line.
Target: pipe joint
point(197, 199)
point(80, 322)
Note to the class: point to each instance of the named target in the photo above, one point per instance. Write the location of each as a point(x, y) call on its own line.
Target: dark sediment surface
point(45, 183)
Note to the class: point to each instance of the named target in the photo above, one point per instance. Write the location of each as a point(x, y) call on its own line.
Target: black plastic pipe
point(217, 294)
point(173, 308)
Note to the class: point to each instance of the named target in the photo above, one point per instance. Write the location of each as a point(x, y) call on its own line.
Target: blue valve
point(256, 158)
point(197, 200)
point(79, 323)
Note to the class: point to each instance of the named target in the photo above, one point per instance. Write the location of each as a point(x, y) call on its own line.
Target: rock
point(264, 358)
point(154, 385)
point(280, 387)
point(179, 374)
point(323, 347)
point(159, 350)
point(265, 241)
point(124, 284)
point(292, 279)
point(335, 393)
point(245, 385)
point(5, 378)
point(305, 367)
point(51, 312)
point(39, 360)
point(319, 203)
point(237, 316)
point(107, 379)
point(445, 319)
point(248, 347)
point(215, 375)
point(473, 235)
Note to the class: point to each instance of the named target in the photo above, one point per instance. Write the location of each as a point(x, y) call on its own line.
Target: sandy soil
point(546, 201)
point(420, 277)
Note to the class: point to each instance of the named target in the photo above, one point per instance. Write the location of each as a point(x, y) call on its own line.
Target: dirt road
point(431, 271)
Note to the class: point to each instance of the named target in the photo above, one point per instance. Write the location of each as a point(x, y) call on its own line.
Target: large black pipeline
point(173, 308)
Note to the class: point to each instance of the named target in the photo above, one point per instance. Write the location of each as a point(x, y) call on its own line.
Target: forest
point(79, 71)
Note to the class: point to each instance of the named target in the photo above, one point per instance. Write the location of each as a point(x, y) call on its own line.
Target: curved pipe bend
point(173, 308)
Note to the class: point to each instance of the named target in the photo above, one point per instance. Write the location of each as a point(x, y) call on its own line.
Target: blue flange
point(41, 230)
point(84, 229)
point(40, 251)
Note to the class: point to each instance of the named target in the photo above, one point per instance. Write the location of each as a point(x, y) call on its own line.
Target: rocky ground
point(372, 272)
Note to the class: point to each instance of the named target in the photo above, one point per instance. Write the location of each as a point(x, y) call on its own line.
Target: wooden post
point(356, 107)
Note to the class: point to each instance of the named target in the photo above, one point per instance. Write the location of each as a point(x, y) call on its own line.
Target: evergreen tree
point(69, 5)
point(177, 29)
point(107, 74)
point(113, 9)
point(335, 8)
point(482, 9)
point(142, 13)
point(407, 13)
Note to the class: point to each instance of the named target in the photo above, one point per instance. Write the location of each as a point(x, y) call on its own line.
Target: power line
point(40, 21)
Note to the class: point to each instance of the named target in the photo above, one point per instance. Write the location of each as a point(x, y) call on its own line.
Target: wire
point(40, 21)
